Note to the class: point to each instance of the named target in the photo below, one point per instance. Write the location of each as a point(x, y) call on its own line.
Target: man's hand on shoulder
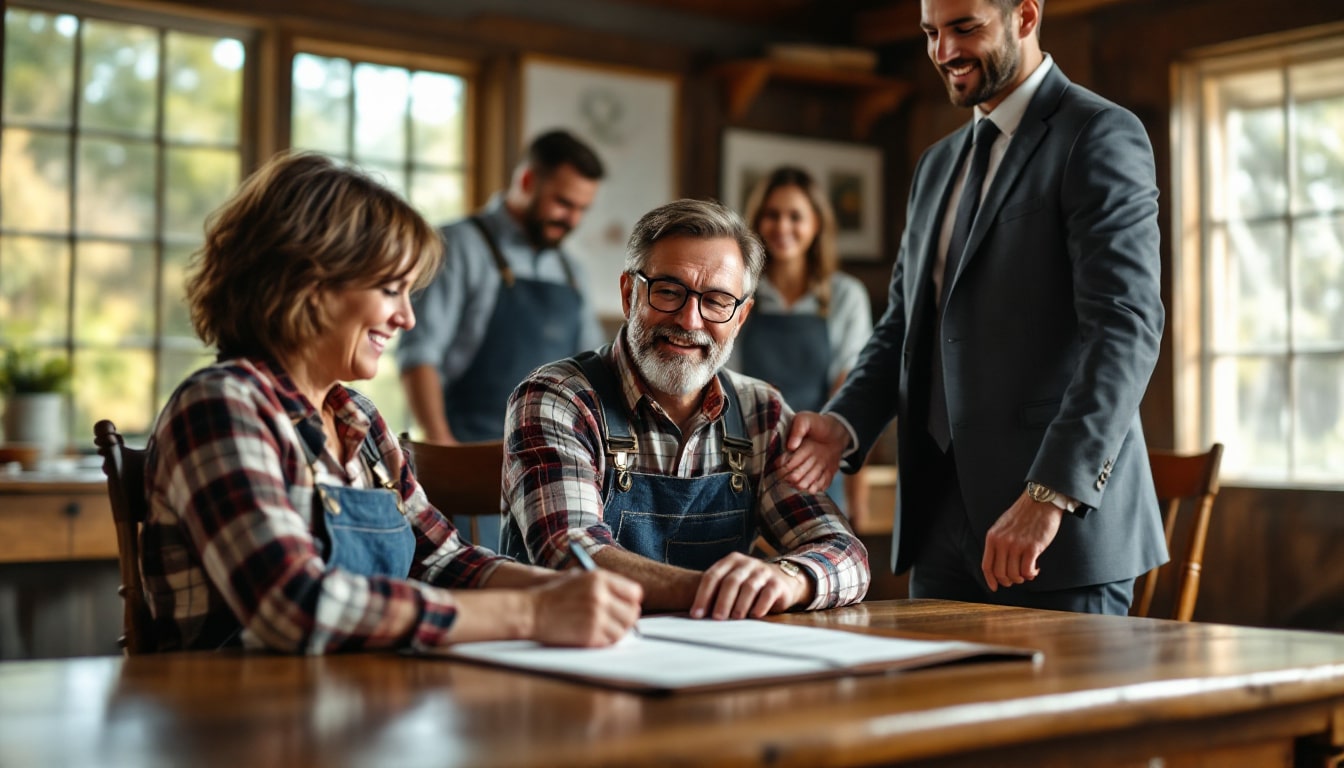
point(740, 586)
point(816, 444)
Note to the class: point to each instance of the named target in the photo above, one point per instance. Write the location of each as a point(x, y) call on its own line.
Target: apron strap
point(502, 264)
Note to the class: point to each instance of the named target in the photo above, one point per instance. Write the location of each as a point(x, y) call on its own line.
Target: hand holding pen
point(586, 562)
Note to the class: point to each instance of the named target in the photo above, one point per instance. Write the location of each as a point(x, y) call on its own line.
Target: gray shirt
point(452, 314)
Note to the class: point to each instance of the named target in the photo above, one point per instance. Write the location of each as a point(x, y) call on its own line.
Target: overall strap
point(736, 445)
point(620, 440)
point(502, 264)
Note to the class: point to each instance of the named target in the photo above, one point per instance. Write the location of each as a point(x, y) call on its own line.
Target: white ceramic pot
point(35, 418)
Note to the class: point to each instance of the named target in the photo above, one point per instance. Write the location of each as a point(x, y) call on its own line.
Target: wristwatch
point(1040, 493)
point(1047, 495)
point(791, 568)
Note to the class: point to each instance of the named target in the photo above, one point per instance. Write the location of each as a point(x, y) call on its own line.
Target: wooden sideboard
point(51, 519)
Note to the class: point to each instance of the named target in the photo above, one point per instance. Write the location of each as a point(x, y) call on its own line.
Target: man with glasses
point(662, 465)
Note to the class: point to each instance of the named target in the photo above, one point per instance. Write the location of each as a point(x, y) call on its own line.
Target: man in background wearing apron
point(506, 300)
point(661, 464)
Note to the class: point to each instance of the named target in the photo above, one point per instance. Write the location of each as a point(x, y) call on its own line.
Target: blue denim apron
point(534, 322)
point(367, 532)
point(802, 375)
point(687, 522)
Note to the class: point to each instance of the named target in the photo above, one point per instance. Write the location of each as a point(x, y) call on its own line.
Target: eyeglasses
point(668, 295)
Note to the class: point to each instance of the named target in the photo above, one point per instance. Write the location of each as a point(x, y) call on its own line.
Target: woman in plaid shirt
point(282, 511)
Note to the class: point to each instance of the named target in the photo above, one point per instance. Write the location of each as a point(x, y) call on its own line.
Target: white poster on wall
point(629, 117)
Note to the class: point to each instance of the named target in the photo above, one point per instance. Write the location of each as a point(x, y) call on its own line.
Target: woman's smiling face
point(362, 323)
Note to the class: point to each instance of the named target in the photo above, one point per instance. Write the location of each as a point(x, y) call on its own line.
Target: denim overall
point(803, 375)
point(367, 531)
point(534, 322)
point(687, 522)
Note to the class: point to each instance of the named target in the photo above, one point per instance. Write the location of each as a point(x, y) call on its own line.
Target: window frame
point(1193, 223)
point(157, 241)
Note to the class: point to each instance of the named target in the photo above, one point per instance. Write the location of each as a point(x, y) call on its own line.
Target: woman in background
point(282, 512)
point(822, 317)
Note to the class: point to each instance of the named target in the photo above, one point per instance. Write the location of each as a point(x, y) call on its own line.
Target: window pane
point(112, 384)
point(174, 366)
point(385, 391)
point(440, 197)
point(1318, 280)
point(114, 286)
point(176, 317)
point(39, 67)
point(34, 289)
point(393, 176)
point(381, 97)
point(1319, 449)
point(1318, 91)
point(121, 70)
point(204, 88)
point(438, 105)
point(1250, 416)
point(201, 180)
point(1247, 284)
point(321, 106)
point(114, 189)
point(34, 181)
point(1248, 171)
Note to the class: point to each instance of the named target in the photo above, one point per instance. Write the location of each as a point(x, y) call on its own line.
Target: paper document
point(672, 653)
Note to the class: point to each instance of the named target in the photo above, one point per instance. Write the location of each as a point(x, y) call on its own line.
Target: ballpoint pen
point(586, 562)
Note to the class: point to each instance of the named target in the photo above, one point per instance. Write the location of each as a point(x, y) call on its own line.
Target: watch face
point(1039, 492)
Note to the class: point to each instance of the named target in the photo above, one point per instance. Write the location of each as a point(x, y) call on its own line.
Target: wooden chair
point(1182, 480)
point(461, 479)
point(125, 470)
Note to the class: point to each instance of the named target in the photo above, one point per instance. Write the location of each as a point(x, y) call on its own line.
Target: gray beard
point(673, 376)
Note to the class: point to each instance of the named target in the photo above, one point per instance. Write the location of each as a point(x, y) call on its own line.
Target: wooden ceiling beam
point(898, 22)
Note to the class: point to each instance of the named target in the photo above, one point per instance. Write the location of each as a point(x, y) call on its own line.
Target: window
point(1259, 320)
point(121, 130)
point(118, 138)
point(406, 125)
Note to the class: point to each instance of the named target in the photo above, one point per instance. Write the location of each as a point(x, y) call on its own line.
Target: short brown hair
point(700, 219)
point(558, 147)
point(823, 255)
point(299, 225)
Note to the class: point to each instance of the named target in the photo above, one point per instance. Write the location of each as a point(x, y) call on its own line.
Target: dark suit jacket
point(1050, 333)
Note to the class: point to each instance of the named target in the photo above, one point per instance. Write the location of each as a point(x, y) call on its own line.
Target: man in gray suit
point(1022, 327)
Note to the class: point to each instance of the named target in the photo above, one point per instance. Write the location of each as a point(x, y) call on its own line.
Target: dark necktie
point(985, 134)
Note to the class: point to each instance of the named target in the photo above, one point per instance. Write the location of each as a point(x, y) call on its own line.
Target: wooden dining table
point(1105, 690)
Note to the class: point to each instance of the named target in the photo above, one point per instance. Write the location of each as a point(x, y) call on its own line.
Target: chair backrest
point(1182, 481)
point(462, 479)
point(125, 470)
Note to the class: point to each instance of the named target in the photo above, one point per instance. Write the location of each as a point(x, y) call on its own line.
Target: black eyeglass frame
point(699, 297)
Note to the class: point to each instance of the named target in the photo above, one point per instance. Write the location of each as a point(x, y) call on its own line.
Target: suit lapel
point(1030, 133)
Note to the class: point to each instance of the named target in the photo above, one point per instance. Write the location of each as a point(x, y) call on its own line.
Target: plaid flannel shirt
point(556, 460)
point(229, 541)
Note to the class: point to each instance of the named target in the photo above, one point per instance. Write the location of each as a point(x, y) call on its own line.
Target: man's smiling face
point(974, 48)
point(678, 352)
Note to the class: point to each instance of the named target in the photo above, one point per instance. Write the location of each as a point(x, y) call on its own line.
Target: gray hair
point(704, 219)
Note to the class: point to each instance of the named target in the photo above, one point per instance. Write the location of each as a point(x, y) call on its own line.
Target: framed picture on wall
point(629, 116)
point(850, 173)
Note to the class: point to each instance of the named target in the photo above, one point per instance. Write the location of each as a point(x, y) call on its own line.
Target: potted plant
point(33, 387)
